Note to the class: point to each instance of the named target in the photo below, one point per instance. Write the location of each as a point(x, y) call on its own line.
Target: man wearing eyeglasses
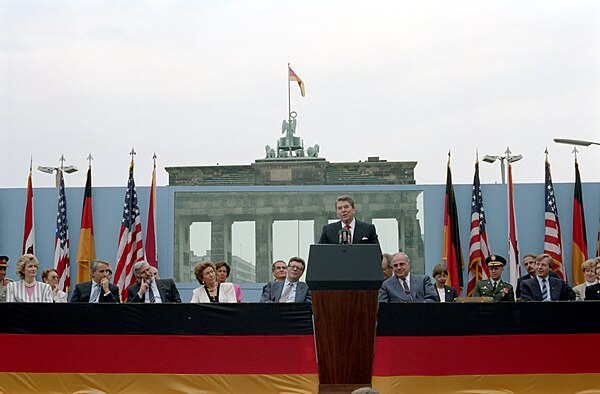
point(404, 286)
point(290, 289)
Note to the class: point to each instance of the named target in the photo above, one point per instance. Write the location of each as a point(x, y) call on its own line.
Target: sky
point(205, 82)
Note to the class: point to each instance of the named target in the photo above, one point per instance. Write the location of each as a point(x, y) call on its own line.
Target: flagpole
point(289, 96)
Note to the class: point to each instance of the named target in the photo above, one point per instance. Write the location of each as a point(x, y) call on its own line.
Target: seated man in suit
point(279, 271)
point(544, 287)
point(360, 232)
point(404, 286)
point(159, 290)
point(99, 289)
point(495, 287)
point(529, 264)
point(290, 289)
point(386, 265)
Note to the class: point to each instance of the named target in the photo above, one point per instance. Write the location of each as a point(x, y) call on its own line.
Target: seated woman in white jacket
point(28, 289)
point(210, 289)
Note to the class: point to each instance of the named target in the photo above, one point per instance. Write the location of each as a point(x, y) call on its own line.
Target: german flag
point(453, 354)
point(86, 252)
point(159, 348)
point(579, 248)
point(451, 249)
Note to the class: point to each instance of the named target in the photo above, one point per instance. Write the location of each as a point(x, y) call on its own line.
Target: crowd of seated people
point(540, 283)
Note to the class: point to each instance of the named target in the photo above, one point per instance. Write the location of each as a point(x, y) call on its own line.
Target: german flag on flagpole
point(451, 249)
point(151, 256)
point(86, 252)
point(579, 248)
point(28, 229)
point(294, 77)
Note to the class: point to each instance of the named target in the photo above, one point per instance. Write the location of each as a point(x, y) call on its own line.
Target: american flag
point(479, 249)
point(62, 263)
point(552, 235)
point(513, 249)
point(131, 249)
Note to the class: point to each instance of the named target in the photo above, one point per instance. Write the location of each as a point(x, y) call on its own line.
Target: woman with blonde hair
point(28, 289)
point(211, 290)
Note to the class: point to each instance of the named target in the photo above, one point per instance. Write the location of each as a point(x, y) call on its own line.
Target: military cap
point(495, 261)
point(3, 261)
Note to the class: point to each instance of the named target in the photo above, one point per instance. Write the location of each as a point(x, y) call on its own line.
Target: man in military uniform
point(495, 287)
point(4, 281)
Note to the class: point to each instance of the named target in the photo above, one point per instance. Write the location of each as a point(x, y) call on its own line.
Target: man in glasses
point(290, 289)
point(404, 286)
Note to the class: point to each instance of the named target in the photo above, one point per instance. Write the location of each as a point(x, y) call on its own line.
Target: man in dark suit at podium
point(359, 232)
point(404, 286)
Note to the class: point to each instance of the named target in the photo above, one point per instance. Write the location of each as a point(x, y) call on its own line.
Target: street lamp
point(575, 142)
point(63, 168)
point(508, 157)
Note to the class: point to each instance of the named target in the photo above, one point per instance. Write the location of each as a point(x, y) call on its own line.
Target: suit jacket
point(579, 291)
point(82, 293)
point(449, 293)
point(504, 291)
point(166, 287)
point(226, 294)
point(527, 276)
point(592, 292)
point(559, 290)
point(363, 233)
point(273, 292)
point(421, 289)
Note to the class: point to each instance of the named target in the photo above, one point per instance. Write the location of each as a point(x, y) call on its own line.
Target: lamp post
point(507, 156)
point(575, 142)
point(63, 168)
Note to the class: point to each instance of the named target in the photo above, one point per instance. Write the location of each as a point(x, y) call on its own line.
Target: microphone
point(344, 236)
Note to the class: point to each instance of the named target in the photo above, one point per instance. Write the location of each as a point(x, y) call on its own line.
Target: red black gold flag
point(579, 248)
point(451, 249)
point(86, 252)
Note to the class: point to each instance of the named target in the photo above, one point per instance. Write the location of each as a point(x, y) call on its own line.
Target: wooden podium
point(344, 281)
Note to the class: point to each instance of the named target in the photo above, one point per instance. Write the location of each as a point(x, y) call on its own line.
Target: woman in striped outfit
point(28, 289)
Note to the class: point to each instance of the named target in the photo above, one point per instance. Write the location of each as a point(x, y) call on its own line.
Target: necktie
point(286, 292)
point(544, 290)
point(494, 287)
point(349, 234)
point(95, 293)
point(406, 288)
point(151, 295)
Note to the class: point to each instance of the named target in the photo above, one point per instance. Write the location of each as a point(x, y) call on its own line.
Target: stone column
point(264, 248)
point(181, 263)
point(220, 238)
